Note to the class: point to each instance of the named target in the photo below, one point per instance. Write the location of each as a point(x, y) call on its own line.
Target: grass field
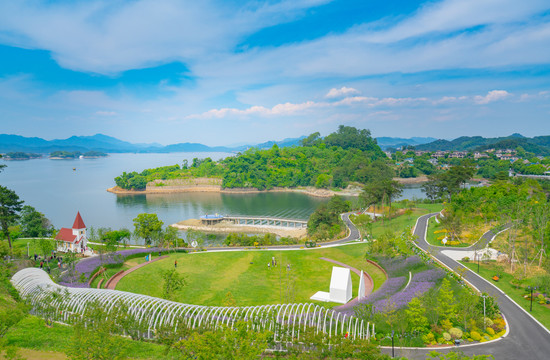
point(402, 222)
point(210, 276)
point(488, 270)
point(41, 342)
point(21, 245)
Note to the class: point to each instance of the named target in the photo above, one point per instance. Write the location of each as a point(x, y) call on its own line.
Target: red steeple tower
point(78, 222)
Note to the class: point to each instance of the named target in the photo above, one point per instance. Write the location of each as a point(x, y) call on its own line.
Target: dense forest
point(348, 155)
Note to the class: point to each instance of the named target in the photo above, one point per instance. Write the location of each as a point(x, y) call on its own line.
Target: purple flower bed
point(75, 284)
point(86, 266)
point(390, 287)
point(398, 265)
point(402, 298)
point(429, 275)
point(420, 283)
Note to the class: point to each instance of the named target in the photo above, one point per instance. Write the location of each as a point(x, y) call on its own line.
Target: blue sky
point(225, 72)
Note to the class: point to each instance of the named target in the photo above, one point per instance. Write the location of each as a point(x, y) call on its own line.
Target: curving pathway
point(113, 281)
point(526, 339)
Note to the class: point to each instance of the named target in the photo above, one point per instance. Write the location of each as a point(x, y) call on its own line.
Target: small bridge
point(266, 221)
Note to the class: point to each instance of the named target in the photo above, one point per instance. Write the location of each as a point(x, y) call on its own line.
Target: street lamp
point(392, 353)
point(531, 288)
point(484, 321)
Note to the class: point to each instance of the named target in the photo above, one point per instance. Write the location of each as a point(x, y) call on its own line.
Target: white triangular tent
point(340, 287)
point(361, 291)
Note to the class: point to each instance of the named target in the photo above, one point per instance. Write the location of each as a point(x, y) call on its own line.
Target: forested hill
point(539, 145)
point(346, 155)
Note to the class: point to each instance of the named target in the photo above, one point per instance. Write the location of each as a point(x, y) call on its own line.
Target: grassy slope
point(31, 333)
point(487, 271)
point(403, 221)
point(211, 275)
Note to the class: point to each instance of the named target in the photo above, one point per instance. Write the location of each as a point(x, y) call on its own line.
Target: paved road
point(526, 340)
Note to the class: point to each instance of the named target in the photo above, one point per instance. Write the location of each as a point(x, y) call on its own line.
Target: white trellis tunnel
point(35, 286)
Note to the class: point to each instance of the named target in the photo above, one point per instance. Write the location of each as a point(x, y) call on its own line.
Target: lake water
point(58, 191)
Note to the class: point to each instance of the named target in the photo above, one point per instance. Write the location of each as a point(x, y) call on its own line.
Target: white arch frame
point(34, 285)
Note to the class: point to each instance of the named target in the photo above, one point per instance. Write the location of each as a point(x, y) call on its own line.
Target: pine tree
point(416, 315)
point(445, 301)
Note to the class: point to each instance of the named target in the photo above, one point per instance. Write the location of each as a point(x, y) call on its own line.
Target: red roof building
point(74, 239)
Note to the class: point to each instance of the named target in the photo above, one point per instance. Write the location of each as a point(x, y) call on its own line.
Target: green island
point(77, 154)
point(19, 155)
point(348, 155)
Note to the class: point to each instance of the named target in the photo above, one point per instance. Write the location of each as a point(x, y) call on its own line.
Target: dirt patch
point(214, 185)
point(228, 227)
point(410, 181)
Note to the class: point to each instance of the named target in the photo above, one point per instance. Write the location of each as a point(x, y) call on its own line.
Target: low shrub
point(475, 336)
point(447, 336)
point(429, 338)
point(498, 324)
point(456, 333)
point(446, 324)
point(466, 259)
point(490, 331)
point(436, 328)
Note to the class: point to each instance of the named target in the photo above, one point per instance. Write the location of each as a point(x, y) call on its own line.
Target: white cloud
point(109, 37)
point(105, 113)
point(452, 15)
point(286, 109)
point(493, 95)
point(342, 92)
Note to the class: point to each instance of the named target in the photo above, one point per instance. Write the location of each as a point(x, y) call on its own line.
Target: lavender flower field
point(86, 266)
point(391, 291)
point(398, 266)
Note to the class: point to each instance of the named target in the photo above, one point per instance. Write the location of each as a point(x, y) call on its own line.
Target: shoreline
point(224, 228)
point(311, 191)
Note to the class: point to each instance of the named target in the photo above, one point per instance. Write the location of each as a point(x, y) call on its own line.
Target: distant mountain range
point(539, 145)
point(108, 144)
point(393, 142)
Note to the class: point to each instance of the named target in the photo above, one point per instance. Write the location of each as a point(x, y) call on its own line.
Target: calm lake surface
point(58, 191)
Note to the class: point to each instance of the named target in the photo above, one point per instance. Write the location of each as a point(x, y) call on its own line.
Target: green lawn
point(21, 245)
point(210, 276)
point(31, 333)
point(404, 221)
point(488, 270)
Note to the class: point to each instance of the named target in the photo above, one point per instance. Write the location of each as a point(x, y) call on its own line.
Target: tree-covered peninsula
point(347, 155)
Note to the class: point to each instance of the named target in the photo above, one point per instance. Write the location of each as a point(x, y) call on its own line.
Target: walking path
point(113, 281)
